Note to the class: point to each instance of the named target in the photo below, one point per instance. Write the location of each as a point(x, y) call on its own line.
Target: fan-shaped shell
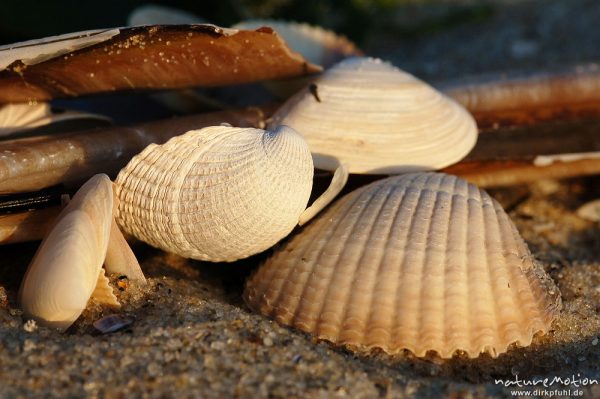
point(67, 268)
point(219, 194)
point(420, 262)
point(378, 119)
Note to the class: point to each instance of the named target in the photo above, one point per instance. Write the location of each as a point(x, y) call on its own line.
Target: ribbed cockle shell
point(425, 262)
point(219, 194)
point(376, 119)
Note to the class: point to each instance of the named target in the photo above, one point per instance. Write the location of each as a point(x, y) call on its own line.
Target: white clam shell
point(67, 267)
point(425, 262)
point(378, 119)
point(219, 194)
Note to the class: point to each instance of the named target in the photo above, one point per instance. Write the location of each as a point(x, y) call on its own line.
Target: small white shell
point(67, 267)
point(420, 262)
point(219, 194)
point(378, 119)
point(318, 45)
point(23, 116)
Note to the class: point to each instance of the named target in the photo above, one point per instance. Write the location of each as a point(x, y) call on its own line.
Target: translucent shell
point(425, 262)
point(219, 194)
point(377, 119)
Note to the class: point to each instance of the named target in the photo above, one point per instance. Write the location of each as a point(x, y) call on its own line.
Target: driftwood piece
point(34, 163)
point(499, 101)
point(523, 154)
point(520, 171)
point(144, 57)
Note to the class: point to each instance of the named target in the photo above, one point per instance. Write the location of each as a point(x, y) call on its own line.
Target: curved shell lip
point(366, 348)
point(426, 351)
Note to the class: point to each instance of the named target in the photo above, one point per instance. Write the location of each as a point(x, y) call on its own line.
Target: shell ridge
point(334, 230)
point(454, 192)
point(372, 324)
point(508, 331)
point(430, 198)
point(297, 314)
point(547, 300)
point(224, 222)
point(200, 146)
point(367, 275)
point(284, 286)
point(457, 239)
point(478, 271)
point(495, 273)
point(338, 269)
point(440, 224)
point(501, 273)
point(511, 332)
point(415, 254)
point(409, 204)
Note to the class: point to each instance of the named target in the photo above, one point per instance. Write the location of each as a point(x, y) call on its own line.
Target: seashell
point(219, 194)
point(67, 268)
point(378, 119)
point(319, 46)
point(423, 261)
point(18, 117)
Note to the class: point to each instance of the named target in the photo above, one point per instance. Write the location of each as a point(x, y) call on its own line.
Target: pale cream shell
point(67, 268)
point(425, 262)
point(378, 119)
point(319, 46)
point(218, 194)
point(23, 116)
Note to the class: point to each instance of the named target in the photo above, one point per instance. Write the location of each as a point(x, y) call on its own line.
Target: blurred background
point(434, 39)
